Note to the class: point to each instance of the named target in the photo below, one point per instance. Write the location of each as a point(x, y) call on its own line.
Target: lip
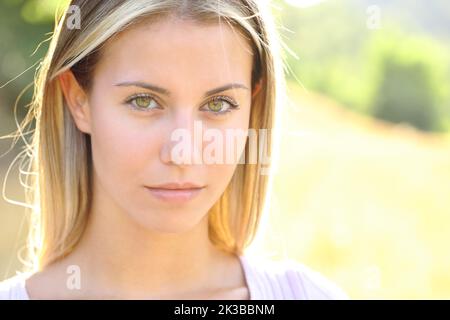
point(175, 192)
point(177, 186)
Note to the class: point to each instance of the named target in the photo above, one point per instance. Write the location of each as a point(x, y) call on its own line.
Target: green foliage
point(357, 66)
point(410, 80)
point(328, 40)
point(41, 11)
point(19, 38)
point(405, 95)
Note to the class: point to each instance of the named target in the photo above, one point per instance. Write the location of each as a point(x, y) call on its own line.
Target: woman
point(122, 208)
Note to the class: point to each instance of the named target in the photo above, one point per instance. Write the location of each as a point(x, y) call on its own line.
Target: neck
point(126, 259)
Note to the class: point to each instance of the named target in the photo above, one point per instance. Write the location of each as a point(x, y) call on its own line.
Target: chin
point(174, 221)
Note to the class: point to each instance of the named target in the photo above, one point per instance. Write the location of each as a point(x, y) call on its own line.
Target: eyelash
point(233, 104)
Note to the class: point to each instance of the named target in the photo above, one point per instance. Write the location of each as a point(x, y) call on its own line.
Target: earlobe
point(257, 88)
point(76, 100)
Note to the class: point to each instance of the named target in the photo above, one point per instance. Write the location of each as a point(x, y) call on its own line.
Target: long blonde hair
point(59, 154)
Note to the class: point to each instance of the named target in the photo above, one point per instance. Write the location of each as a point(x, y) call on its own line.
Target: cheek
point(234, 138)
point(220, 176)
point(121, 149)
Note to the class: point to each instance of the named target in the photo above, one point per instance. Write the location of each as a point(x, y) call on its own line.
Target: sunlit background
point(362, 183)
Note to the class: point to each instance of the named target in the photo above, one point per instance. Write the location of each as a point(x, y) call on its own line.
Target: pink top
point(287, 280)
point(266, 279)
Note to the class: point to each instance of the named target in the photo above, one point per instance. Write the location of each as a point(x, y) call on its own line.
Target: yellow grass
point(363, 202)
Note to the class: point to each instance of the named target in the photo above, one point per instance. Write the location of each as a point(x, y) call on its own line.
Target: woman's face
point(132, 142)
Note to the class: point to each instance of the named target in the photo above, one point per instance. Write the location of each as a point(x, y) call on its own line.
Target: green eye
point(215, 105)
point(220, 105)
point(143, 102)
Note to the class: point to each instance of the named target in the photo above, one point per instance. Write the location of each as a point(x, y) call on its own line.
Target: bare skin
point(136, 247)
point(224, 278)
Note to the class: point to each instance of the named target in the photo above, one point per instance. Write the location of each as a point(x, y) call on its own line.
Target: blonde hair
point(59, 153)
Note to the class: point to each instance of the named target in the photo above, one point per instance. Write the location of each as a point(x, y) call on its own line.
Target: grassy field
point(361, 201)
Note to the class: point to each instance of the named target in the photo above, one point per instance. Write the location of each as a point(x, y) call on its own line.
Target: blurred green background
point(363, 170)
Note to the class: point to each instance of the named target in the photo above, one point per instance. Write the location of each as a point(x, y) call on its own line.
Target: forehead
point(175, 51)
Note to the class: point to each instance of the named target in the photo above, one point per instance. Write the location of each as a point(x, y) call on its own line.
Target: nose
point(183, 140)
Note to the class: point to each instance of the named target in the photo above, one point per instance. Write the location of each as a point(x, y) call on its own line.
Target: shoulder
point(289, 279)
point(14, 288)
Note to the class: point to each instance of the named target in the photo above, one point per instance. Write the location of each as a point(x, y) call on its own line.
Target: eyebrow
point(167, 92)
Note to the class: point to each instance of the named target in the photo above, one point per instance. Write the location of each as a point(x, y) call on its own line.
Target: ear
point(257, 88)
point(76, 100)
